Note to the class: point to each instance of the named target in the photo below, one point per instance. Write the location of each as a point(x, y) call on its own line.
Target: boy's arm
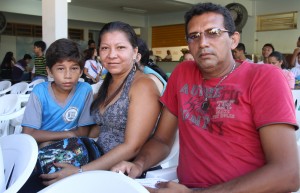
point(82, 131)
point(94, 131)
point(44, 136)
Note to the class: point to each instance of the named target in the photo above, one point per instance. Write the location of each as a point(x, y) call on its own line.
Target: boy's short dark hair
point(269, 45)
point(64, 49)
point(241, 46)
point(91, 42)
point(27, 57)
point(40, 44)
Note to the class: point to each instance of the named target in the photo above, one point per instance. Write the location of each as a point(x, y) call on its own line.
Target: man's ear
point(235, 39)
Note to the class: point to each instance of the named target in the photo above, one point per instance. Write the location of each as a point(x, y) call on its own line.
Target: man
point(236, 130)
point(239, 53)
point(20, 70)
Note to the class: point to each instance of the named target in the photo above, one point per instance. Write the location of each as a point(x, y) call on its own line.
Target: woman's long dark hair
point(8, 58)
point(102, 98)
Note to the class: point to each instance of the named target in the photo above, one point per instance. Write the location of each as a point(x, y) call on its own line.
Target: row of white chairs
point(18, 88)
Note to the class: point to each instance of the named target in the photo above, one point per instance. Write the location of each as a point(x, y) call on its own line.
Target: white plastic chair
point(5, 84)
point(19, 156)
point(96, 86)
point(172, 159)
point(32, 84)
point(296, 97)
point(18, 88)
point(11, 123)
point(81, 79)
point(169, 164)
point(94, 182)
point(11, 113)
point(2, 178)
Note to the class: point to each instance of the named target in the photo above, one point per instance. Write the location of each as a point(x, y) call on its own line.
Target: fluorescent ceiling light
point(134, 10)
point(69, 1)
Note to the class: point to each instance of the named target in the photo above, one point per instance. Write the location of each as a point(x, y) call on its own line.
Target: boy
point(60, 107)
point(39, 68)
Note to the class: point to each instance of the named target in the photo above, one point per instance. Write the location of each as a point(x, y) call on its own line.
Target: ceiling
point(150, 6)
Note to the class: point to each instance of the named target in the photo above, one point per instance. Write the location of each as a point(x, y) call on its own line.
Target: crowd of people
point(236, 130)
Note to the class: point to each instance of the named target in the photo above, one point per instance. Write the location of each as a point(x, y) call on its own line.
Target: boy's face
point(65, 75)
point(37, 50)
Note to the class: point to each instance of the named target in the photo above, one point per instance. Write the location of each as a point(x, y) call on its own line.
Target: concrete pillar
point(54, 20)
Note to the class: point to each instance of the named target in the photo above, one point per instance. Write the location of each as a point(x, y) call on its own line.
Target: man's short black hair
point(241, 46)
point(40, 44)
point(27, 57)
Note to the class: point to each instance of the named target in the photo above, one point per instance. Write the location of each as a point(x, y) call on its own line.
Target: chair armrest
point(166, 173)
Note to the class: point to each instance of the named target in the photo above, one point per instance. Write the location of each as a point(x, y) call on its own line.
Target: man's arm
point(279, 174)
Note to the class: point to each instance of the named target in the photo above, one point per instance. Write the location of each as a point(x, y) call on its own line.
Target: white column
point(54, 20)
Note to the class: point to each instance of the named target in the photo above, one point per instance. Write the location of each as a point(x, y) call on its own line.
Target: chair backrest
point(96, 86)
point(4, 84)
point(8, 103)
point(19, 88)
point(296, 97)
point(11, 123)
point(96, 181)
point(81, 79)
point(11, 113)
point(19, 156)
point(34, 83)
point(4, 87)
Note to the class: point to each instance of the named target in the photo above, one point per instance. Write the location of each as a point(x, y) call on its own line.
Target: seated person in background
point(183, 51)
point(232, 137)
point(294, 59)
point(92, 67)
point(168, 57)
point(277, 59)
point(19, 71)
point(7, 64)
point(266, 50)
point(61, 108)
point(188, 56)
point(127, 105)
point(296, 70)
point(147, 67)
point(239, 53)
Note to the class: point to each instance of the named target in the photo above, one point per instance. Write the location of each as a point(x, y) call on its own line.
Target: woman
point(277, 59)
point(126, 107)
point(92, 67)
point(7, 64)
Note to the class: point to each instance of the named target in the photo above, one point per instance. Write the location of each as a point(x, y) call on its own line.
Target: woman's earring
point(134, 67)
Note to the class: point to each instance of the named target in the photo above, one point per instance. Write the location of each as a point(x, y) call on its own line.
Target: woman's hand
point(66, 170)
point(129, 168)
point(169, 187)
